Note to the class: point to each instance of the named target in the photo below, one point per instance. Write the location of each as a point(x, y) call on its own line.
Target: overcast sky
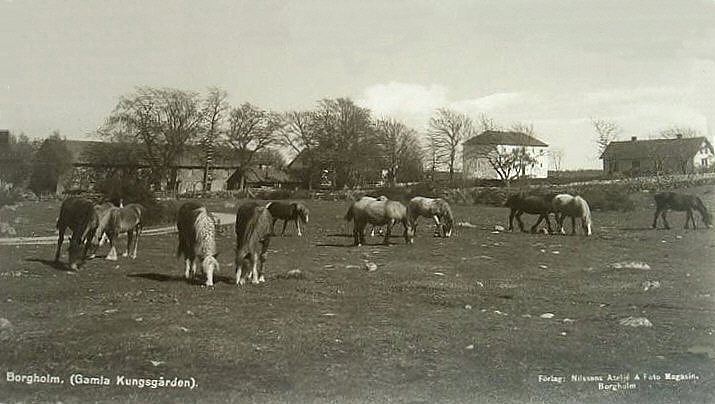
point(645, 64)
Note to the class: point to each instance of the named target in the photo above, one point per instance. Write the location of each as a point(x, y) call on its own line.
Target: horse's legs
point(262, 261)
point(297, 224)
point(285, 223)
point(273, 224)
point(573, 224)
point(60, 240)
point(187, 267)
point(130, 240)
point(665, 219)
point(388, 231)
point(560, 219)
point(538, 222)
point(239, 271)
point(254, 267)
point(689, 218)
point(655, 218)
point(511, 219)
point(137, 232)
point(112, 254)
point(518, 220)
point(438, 230)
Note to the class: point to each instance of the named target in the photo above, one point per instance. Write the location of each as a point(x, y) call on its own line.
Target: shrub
point(130, 190)
point(9, 196)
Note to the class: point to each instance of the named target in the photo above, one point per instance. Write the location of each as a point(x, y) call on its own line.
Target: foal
point(673, 201)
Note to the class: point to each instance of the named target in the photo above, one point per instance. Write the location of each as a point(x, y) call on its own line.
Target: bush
point(130, 190)
point(9, 196)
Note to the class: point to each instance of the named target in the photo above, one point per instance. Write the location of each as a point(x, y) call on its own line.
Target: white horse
point(378, 213)
point(197, 240)
point(438, 209)
point(572, 206)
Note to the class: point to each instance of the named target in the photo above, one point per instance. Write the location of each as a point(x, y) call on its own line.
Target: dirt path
point(224, 218)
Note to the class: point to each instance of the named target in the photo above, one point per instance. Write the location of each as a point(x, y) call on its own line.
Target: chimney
point(679, 136)
point(634, 138)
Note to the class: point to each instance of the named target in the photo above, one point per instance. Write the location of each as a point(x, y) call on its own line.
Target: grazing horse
point(572, 206)
point(80, 216)
point(295, 211)
point(438, 209)
point(100, 239)
point(197, 240)
point(253, 235)
point(521, 203)
point(378, 213)
point(115, 221)
point(673, 201)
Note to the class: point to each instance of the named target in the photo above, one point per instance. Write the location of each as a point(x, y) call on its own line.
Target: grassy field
point(482, 317)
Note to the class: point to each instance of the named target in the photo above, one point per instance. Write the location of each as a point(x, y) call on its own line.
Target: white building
point(497, 154)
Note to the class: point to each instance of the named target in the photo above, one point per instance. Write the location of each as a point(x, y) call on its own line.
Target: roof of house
point(496, 137)
point(193, 156)
point(643, 149)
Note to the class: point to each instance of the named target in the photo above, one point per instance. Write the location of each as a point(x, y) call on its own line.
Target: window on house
point(704, 162)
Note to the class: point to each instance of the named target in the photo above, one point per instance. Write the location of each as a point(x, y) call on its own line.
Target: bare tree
point(556, 156)
point(525, 128)
point(347, 144)
point(300, 135)
point(607, 132)
point(679, 131)
point(400, 147)
point(250, 130)
point(214, 109)
point(163, 121)
point(447, 131)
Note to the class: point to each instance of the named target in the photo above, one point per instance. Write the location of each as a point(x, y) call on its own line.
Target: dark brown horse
point(521, 203)
point(80, 216)
point(253, 235)
point(295, 211)
point(665, 201)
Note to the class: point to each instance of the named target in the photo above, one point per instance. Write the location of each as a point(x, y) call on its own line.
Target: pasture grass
point(444, 320)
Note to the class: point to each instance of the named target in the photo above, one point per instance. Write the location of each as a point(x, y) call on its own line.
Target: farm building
point(190, 169)
point(480, 151)
point(674, 156)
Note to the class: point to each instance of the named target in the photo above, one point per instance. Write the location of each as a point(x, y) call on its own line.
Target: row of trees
point(337, 137)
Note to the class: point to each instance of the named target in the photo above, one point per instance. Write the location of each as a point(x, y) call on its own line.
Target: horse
point(80, 216)
point(101, 210)
point(296, 211)
point(197, 240)
point(127, 219)
point(378, 213)
point(572, 206)
point(679, 202)
point(253, 235)
point(521, 203)
point(438, 209)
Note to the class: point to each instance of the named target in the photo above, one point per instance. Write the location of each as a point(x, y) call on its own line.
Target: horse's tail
point(350, 215)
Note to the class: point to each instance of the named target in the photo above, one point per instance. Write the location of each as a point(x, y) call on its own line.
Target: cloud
point(489, 103)
point(403, 98)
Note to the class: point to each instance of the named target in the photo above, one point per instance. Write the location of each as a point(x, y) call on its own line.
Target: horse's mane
point(444, 210)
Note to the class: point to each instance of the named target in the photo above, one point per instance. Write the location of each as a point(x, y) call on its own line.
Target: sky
point(647, 65)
